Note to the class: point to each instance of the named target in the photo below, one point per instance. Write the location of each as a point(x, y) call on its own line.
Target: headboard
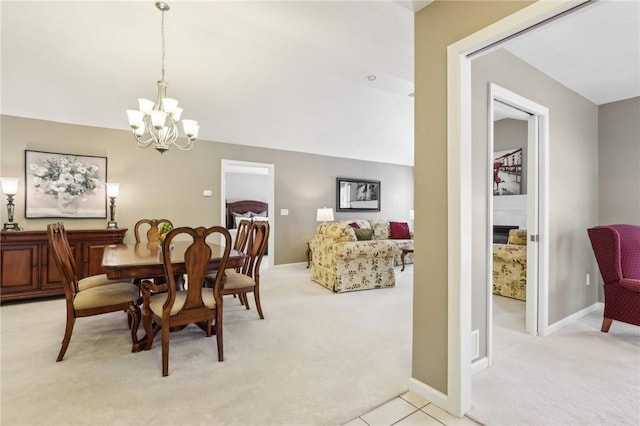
point(243, 207)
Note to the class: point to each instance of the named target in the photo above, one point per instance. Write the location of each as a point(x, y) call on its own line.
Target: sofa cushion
point(363, 224)
point(399, 230)
point(354, 226)
point(518, 237)
point(380, 229)
point(364, 234)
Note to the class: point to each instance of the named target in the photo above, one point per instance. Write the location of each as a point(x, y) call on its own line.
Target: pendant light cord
point(163, 45)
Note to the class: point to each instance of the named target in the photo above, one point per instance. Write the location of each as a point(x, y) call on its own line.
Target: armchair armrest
point(630, 284)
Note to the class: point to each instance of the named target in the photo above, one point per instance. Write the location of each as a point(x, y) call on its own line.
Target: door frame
point(459, 197)
point(225, 164)
point(537, 212)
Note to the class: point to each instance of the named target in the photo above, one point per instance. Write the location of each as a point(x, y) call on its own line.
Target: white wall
point(243, 186)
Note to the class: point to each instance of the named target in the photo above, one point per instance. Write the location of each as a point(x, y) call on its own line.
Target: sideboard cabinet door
point(19, 268)
point(29, 269)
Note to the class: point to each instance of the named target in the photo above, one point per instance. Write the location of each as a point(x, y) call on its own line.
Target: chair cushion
point(106, 295)
point(157, 301)
point(95, 281)
point(235, 281)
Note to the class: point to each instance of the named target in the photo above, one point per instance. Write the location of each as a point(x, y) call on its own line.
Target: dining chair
point(242, 234)
point(248, 279)
point(153, 230)
point(152, 234)
point(93, 297)
point(175, 309)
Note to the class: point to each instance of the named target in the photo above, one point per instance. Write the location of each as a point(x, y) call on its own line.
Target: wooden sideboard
point(29, 270)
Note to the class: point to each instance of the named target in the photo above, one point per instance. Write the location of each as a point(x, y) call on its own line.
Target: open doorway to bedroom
point(253, 183)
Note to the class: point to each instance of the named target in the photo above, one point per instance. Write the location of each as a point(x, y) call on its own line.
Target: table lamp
point(10, 188)
point(324, 215)
point(113, 190)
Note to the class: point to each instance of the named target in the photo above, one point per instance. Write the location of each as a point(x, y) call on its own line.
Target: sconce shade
point(324, 215)
point(113, 189)
point(9, 185)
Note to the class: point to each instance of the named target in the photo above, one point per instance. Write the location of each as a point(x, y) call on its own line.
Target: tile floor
point(409, 409)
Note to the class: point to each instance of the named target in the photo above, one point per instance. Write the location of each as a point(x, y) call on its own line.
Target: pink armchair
point(617, 251)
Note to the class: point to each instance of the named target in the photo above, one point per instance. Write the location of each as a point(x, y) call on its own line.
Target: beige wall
point(619, 162)
point(170, 185)
point(573, 179)
point(437, 26)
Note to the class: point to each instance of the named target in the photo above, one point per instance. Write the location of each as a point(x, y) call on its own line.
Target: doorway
point(519, 167)
point(246, 180)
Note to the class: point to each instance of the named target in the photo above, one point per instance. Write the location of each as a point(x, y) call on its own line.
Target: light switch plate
point(284, 212)
point(207, 193)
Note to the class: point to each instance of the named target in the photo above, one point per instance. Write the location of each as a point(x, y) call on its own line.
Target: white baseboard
point(479, 365)
point(430, 394)
point(573, 317)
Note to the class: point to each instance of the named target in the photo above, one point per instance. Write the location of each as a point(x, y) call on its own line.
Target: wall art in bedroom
point(65, 185)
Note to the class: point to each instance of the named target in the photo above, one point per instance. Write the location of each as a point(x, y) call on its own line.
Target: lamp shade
point(9, 185)
point(324, 215)
point(113, 189)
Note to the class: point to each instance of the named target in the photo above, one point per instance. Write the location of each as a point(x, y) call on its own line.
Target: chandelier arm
point(172, 133)
point(186, 147)
point(142, 143)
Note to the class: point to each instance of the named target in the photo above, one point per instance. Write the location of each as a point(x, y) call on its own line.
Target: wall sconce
point(324, 215)
point(10, 188)
point(113, 190)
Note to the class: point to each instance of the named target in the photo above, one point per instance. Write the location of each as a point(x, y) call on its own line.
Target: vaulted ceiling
point(288, 75)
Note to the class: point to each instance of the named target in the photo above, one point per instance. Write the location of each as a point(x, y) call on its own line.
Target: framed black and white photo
point(357, 195)
point(65, 185)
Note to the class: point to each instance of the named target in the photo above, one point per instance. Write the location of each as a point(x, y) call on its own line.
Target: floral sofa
point(345, 261)
point(510, 266)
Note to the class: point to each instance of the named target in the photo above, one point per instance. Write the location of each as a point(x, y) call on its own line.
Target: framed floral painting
point(65, 185)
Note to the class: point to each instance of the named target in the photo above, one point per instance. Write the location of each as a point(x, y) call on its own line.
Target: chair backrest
point(257, 241)
point(242, 235)
point(196, 258)
point(63, 257)
point(617, 251)
point(153, 231)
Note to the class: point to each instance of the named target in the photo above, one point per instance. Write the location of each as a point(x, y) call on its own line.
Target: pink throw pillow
point(354, 225)
point(399, 231)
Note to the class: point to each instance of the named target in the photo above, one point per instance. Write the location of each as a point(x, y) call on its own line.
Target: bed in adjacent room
point(246, 209)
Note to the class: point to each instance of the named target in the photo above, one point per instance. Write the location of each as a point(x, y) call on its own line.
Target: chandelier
point(156, 124)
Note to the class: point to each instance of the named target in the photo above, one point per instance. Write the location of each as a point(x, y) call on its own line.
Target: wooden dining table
point(143, 260)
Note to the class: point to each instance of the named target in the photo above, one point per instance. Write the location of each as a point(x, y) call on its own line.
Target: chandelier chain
point(163, 44)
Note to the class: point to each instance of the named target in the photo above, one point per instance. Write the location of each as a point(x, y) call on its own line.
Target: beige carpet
point(318, 358)
point(575, 376)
